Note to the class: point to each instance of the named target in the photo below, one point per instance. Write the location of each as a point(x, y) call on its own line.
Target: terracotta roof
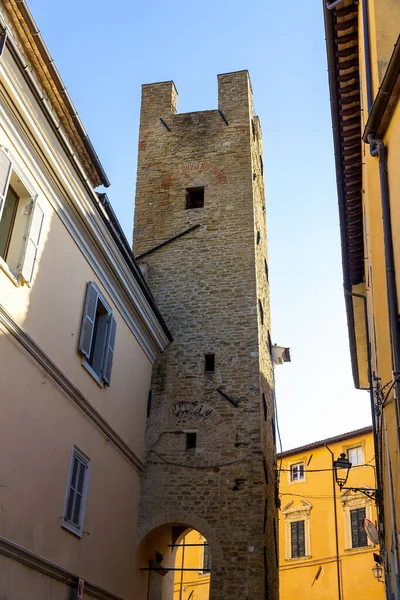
point(331, 440)
point(343, 65)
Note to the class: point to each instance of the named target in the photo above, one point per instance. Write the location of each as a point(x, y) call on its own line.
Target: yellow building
point(324, 552)
point(193, 557)
point(364, 65)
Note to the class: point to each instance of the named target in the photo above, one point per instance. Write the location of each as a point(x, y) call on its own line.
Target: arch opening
point(175, 564)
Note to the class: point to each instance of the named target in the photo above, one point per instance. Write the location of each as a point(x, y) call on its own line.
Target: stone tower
point(200, 234)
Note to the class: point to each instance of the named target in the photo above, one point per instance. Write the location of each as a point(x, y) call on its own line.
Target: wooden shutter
point(297, 539)
point(89, 316)
point(109, 354)
point(5, 174)
point(76, 491)
point(358, 535)
point(29, 249)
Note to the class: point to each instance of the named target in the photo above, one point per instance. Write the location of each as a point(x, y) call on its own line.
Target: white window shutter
point(109, 355)
point(89, 315)
point(29, 250)
point(5, 174)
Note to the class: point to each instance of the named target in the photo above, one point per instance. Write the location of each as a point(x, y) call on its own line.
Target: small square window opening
point(195, 197)
point(191, 439)
point(209, 363)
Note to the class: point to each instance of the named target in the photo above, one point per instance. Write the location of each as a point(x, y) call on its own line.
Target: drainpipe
point(372, 403)
point(338, 575)
point(367, 54)
point(378, 149)
point(393, 513)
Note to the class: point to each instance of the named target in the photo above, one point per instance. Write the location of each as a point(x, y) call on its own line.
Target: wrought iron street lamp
point(342, 466)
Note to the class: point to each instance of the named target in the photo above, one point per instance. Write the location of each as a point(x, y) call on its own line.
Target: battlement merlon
point(235, 99)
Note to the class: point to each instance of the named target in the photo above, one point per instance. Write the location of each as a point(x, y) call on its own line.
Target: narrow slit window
point(261, 165)
point(260, 306)
point(265, 409)
point(195, 197)
point(266, 269)
point(258, 237)
point(253, 129)
point(209, 363)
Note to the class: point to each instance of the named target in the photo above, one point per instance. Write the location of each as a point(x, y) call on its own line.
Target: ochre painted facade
point(212, 287)
point(364, 66)
point(312, 569)
point(194, 582)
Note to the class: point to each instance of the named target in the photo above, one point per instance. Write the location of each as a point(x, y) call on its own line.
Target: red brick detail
point(142, 144)
point(194, 167)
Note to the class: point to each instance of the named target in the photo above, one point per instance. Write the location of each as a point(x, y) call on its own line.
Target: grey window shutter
point(358, 535)
point(109, 355)
point(5, 174)
point(89, 315)
point(301, 539)
point(74, 505)
point(33, 230)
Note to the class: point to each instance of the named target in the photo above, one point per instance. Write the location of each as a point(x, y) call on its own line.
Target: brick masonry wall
point(210, 285)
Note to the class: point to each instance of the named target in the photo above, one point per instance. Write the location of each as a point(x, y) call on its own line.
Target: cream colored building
point(79, 333)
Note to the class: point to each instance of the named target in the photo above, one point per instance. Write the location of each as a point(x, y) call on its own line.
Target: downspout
point(378, 149)
point(338, 574)
point(392, 513)
point(367, 54)
point(373, 414)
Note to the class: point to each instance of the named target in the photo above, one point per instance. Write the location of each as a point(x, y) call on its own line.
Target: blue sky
point(105, 53)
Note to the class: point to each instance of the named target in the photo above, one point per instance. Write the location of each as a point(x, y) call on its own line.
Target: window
point(260, 307)
point(355, 456)
point(97, 339)
point(261, 165)
point(75, 499)
point(258, 237)
point(206, 559)
point(297, 472)
point(296, 514)
point(297, 539)
point(358, 535)
point(191, 439)
point(21, 222)
point(266, 269)
point(209, 363)
point(195, 197)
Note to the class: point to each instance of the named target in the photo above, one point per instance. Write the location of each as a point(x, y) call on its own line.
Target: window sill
point(6, 269)
point(298, 481)
point(360, 548)
point(71, 528)
point(92, 373)
point(298, 558)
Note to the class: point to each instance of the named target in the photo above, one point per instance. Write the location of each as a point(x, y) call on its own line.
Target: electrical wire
point(323, 470)
point(233, 462)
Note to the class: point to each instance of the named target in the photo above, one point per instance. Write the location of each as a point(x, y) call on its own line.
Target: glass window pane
point(7, 222)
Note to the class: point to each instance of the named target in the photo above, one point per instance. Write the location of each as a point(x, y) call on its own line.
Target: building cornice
point(67, 386)
point(386, 99)
point(23, 28)
point(341, 32)
point(46, 567)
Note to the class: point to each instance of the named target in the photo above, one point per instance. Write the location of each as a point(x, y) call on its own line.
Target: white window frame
point(77, 530)
point(31, 208)
point(297, 512)
point(359, 446)
point(298, 463)
point(350, 501)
